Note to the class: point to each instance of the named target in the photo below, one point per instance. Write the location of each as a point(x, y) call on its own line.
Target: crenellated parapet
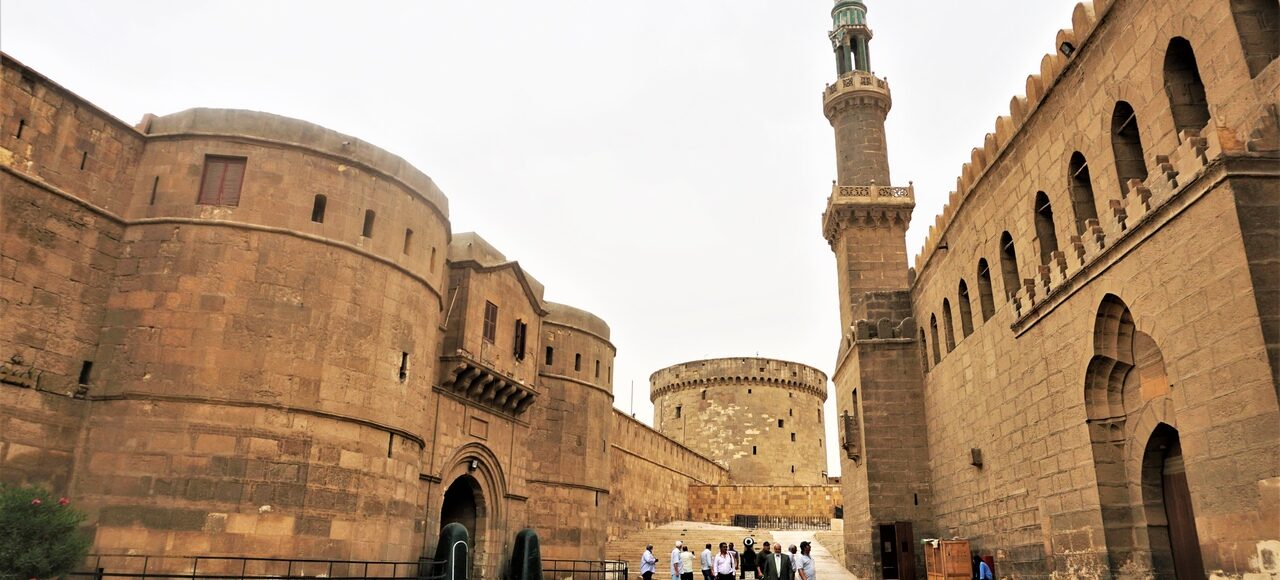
point(729, 371)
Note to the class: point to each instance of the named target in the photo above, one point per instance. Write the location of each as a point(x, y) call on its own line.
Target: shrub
point(38, 534)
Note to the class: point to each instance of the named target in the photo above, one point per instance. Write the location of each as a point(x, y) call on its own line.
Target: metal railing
point(584, 569)
point(103, 566)
point(782, 522)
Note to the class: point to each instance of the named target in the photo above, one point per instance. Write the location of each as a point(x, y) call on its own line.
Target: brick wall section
point(718, 504)
point(651, 475)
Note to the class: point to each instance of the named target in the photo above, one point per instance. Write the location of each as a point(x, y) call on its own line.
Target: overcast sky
point(661, 163)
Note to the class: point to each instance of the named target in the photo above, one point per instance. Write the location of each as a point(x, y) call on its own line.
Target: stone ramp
point(696, 535)
point(828, 567)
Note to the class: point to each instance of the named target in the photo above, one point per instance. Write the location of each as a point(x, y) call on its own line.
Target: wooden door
point(906, 551)
point(1184, 541)
point(889, 552)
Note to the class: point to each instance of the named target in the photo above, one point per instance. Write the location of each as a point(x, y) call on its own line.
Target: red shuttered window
point(221, 182)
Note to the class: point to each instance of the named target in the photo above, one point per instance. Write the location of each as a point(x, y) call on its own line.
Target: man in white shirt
point(706, 563)
point(675, 561)
point(805, 566)
point(723, 564)
point(648, 563)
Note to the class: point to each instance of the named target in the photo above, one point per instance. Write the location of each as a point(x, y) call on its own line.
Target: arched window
point(1081, 188)
point(1008, 265)
point(1046, 235)
point(1258, 24)
point(946, 325)
point(1183, 86)
point(933, 329)
point(985, 297)
point(924, 349)
point(317, 209)
point(1126, 143)
point(966, 310)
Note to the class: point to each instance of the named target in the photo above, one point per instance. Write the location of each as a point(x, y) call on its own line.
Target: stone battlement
point(712, 372)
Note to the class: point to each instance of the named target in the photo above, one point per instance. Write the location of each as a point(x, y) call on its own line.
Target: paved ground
point(828, 567)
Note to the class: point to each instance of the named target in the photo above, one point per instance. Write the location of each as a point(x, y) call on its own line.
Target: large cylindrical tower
point(269, 346)
point(570, 435)
point(761, 418)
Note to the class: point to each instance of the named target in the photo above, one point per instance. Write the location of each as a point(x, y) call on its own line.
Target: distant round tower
point(761, 418)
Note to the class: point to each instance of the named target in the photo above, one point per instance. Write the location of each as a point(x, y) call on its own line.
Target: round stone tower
point(761, 418)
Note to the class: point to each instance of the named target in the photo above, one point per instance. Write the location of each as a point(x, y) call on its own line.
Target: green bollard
point(526, 557)
point(454, 552)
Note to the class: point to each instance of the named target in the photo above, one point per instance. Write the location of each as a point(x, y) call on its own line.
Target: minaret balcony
point(872, 194)
point(866, 206)
point(853, 83)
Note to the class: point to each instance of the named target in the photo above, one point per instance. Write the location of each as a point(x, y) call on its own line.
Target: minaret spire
point(850, 36)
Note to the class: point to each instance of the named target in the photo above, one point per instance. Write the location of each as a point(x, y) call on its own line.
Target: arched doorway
point(1171, 522)
point(464, 504)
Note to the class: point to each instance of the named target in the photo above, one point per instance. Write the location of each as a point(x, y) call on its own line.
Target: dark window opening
point(793, 469)
point(791, 412)
point(609, 373)
point(86, 368)
point(551, 355)
point(220, 184)
point(753, 449)
point(408, 241)
point(1126, 143)
point(924, 350)
point(748, 391)
point(367, 230)
point(1046, 235)
point(933, 329)
point(433, 258)
point(793, 437)
point(84, 158)
point(704, 394)
point(1008, 268)
point(22, 124)
point(946, 325)
point(597, 369)
point(404, 366)
point(678, 411)
point(779, 423)
point(1081, 188)
point(985, 296)
point(490, 321)
point(155, 186)
point(520, 340)
point(391, 441)
point(1182, 84)
point(317, 208)
point(966, 310)
point(577, 362)
point(1258, 24)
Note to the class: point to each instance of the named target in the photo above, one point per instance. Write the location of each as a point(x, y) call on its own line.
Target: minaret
point(866, 219)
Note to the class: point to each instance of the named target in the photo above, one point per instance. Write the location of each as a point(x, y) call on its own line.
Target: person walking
point(722, 564)
point(776, 565)
point(648, 564)
point(806, 567)
point(705, 560)
point(795, 552)
point(675, 561)
point(734, 553)
point(760, 560)
point(686, 563)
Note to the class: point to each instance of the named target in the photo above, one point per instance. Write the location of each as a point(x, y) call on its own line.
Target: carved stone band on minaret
point(866, 206)
point(853, 88)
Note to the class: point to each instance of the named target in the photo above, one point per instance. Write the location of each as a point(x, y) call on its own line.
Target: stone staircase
point(695, 535)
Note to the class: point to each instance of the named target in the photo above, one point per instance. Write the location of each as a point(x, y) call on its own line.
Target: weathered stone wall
point(568, 446)
point(718, 504)
point(651, 475)
point(760, 418)
point(1061, 487)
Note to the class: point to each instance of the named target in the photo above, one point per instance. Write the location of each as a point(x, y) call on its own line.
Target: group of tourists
point(771, 563)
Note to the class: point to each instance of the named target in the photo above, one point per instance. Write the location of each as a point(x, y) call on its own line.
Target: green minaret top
point(850, 36)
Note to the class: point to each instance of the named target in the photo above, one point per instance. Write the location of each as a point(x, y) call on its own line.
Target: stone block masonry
point(719, 504)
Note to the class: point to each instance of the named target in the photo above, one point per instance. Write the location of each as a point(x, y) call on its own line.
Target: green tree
point(38, 534)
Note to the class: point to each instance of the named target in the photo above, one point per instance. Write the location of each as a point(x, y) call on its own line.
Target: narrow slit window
point(22, 124)
point(577, 361)
point(86, 369)
point(408, 241)
point(391, 442)
point(317, 208)
point(985, 296)
point(490, 322)
point(155, 186)
point(597, 369)
point(520, 338)
point(1008, 269)
point(221, 181)
point(404, 366)
point(84, 159)
point(966, 310)
point(369, 216)
point(551, 355)
point(433, 258)
point(753, 449)
point(678, 411)
point(950, 336)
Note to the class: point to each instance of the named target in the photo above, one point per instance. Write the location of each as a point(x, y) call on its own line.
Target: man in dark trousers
point(776, 566)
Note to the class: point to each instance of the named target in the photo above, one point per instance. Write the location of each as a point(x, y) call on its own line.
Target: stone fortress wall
point(313, 367)
point(1095, 316)
point(760, 418)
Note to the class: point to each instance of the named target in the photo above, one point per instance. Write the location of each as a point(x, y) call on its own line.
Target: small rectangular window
point(779, 423)
point(522, 331)
point(404, 366)
point(678, 409)
point(793, 437)
point(597, 369)
point(369, 216)
point(86, 368)
point(408, 241)
point(753, 449)
point(490, 321)
point(221, 181)
point(577, 362)
point(317, 208)
point(551, 355)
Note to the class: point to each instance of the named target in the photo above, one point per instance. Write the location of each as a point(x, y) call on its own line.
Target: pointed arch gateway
point(1125, 376)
